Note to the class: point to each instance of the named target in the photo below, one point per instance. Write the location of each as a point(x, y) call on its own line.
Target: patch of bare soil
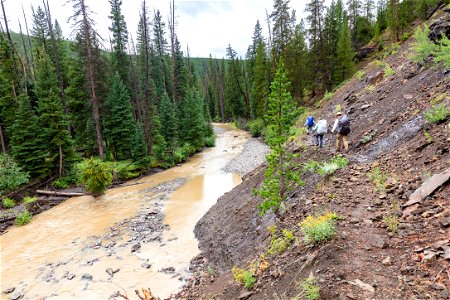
point(365, 260)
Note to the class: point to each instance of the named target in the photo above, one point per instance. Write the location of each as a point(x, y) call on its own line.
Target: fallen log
point(54, 193)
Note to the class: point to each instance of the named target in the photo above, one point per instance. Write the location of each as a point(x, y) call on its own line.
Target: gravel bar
point(253, 155)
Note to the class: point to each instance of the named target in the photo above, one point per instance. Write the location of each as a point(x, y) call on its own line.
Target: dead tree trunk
point(30, 45)
point(91, 79)
point(147, 102)
point(2, 140)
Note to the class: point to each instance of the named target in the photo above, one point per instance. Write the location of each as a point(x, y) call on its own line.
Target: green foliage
point(311, 166)
point(95, 175)
point(388, 71)
point(256, 127)
point(328, 96)
point(119, 126)
point(279, 177)
point(423, 47)
point(310, 289)
point(245, 277)
point(29, 200)
point(428, 136)
point(345, 66)
point(319, 228)
point(360, 75)
point(443, 52)
point(405, 36)
point(337, 108)
point(369, 137)
point(378, 178)
point(437, 113)
point(279, 243)
point(8, 203)
point(336, 163)
point(391, 222)
point(23, 218)
point(210, 141)
point(11, 175)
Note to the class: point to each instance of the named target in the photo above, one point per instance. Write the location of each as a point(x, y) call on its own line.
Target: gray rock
point(380, 243)
point(110, 271)
point(428, 187)
point(146, 266)
point(87, 277)
point(387, 261)
point(245, 295)
point(16, 296)
point(70, 276)
point(438, 287)
point(9, 291)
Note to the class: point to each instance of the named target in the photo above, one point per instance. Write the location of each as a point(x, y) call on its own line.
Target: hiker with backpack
point(309, 124)
point(342, 128)
point(320, 129)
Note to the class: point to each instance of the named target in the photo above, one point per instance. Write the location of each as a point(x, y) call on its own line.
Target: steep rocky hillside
point(386, 102)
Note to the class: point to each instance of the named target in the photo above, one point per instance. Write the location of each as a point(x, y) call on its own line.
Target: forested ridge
point(146, 102)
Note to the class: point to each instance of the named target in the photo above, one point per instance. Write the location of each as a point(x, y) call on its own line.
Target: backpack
point(322, 127)
point(344, 125)
point(310, 121)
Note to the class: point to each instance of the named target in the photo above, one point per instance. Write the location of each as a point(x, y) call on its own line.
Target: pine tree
point(193, 122)
point(51, 118)
point(180, 76)
point(169, 124)
point(119, 41)
point(280, 116)
point(160, 73)
point(260, 86)
point(281, 31)
point(139, 147)
point(40, 30)
point(26, 146)
point(233, 91)
point(394, 18)
point(119, 123)
point(345, 66)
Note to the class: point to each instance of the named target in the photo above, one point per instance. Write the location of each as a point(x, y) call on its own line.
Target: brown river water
point(37, 258)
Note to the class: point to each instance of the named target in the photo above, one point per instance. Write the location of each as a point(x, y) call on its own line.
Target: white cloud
point(207, 26)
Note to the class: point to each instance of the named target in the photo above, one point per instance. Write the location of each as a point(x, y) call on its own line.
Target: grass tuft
point(319, 228)
point(23, 218)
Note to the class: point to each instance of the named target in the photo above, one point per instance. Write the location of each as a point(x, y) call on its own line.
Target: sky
point(205, 26)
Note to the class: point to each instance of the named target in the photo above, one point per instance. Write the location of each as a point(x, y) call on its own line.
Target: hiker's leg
point(320, 140)
point(345, 140)
point(317, 140)
point(338, 142)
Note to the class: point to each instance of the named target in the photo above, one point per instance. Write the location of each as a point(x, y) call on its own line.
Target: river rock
point(146, 266)
point(168, 270)
point(9, 291)
point(136, 247)
point(87, 277)
point(70, 276)
point(110, 271)
point(379, 243)
point(16, 296)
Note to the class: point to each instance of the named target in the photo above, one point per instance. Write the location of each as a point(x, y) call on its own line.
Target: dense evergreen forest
point(147, 103)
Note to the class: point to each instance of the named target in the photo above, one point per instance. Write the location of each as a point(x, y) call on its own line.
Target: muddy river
point(135, 236)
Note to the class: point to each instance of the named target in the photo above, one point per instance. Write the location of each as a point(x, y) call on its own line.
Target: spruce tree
point(120, 61)
point(52, 120)
point(233, 91)
point(119, 123)
point(345, 66)
point(169, 124)
point(27, 147)
point(281, 31)
point(193, 123)
point(260, 86)
point(280, 116)
point(139, 147)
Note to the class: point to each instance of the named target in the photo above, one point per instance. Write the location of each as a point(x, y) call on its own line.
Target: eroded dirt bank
point(138, 235)
point(365, 260)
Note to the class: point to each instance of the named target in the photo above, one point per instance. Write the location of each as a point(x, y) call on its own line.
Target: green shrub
point(278, 244)
point(23, 218)
point(336, 163)
point(245, 277)
point(367, 138)
point(443, 52)
point(378, 178)
point(388, 71)
point(428, 136)
point(311, 166)
point(360, 75)
point(310, 289)
point(380, 64)
point(319, 228)
point(328, 96)
point(188, 149)
point(179, 155)
point(96, 176)
point(437, 113)
point(256, 127)
point(422, 47)
point(28, 200)
point(391, 222)
point(405, 36)
point(8, 203)
point(11, 175)
point(210, 141)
